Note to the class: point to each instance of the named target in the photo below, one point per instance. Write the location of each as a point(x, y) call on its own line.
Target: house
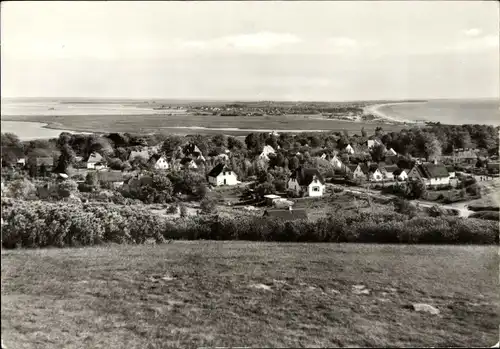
point(222, 175)
point(289, 214)
point(21, 162)
point(336, 163)
point(400, 175)
point(493, 167)
point(308, 182)
point(95, 161)
point(465, 156)
point(113, 179)
point(270, 198)
point(323, 156)
point(391, 152)
point(374, 173)
point(274, 133)
point(191, 150)
point(46, 161)
point(430, 174)
point(451, 171)
point(359, 171)
point(159, 162)
point(188, 163)
point(266, 152)
point(388, 171)
point(373, 142)
point(349, 149)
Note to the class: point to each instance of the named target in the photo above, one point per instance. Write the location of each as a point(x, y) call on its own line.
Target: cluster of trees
point(37, 224)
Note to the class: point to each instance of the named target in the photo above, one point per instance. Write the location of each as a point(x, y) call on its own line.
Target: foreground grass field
point(191, 294)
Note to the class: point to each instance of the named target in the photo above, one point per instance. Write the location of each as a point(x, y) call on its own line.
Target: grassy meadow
point(167, 123)
point(206, 293)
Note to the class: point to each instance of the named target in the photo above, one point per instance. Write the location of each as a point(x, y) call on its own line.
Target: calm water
point(27, 131)
point(447, 111)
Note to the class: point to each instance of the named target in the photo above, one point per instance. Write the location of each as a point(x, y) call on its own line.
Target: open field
point(190, 124)
point(191, 294)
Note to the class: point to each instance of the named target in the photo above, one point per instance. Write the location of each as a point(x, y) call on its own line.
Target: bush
point(21, 189)
point(183, 211)
point(208, 205)
point(42, 224)
point(403, 206)
point(172, 209)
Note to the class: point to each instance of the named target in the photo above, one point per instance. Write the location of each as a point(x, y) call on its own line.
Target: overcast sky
point(251, 50)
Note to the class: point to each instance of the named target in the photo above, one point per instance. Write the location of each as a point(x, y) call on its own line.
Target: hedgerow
point(35, 224)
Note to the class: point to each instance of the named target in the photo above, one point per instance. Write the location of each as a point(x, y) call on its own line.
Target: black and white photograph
point(250, 174)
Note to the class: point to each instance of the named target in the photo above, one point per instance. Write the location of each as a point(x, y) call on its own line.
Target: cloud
point(472, 32)
point(486, 42)
point(255, 41)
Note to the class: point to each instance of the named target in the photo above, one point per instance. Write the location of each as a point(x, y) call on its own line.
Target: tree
point(432, 146)
point(21, 189)
point(91, 179)
point(234, 143)
point(265, 189)
point(12, 149)
point(415, 189)
point(377, 152)
point(66, 158)
point(219, 140)
point(171, 144)
point(208, 205)
point(253, 142)
point(363, 132)
point(66, 188)
point(294, 163)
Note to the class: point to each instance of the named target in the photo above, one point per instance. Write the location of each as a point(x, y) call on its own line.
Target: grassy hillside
point(191, 294)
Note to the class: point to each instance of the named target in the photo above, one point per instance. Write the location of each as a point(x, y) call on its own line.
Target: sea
point(457, 112)
point(452, 112)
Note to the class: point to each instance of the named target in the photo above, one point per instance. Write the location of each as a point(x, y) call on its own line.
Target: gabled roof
point(390, 168)
point(186, 160)
point(192, 149)
point(268, 150)
point(352, 167)
point(155, 157)
point(432, 171)
point(286, 214)
point(217, 170)
point(46, 160)
point(398, 171)
point(364, 168)
point(305, 176)
point(94, 158)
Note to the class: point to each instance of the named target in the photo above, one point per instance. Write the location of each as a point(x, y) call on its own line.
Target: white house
point(266, 151)
point(359, 171)
point(430, 174)
point(375, 175)
point(373, 142)
point(323, 156)
point(159, 162)
point(336, 163)
point(307, 182)
point(349, 149)
point(222, 175)
point(96, 162)
point(400, 175)
point(21, 162)
point(388, 172)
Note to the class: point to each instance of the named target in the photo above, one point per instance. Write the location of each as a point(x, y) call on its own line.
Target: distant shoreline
point(374, 109)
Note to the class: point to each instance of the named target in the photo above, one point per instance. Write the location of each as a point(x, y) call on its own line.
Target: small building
point(400, 175)
point(388, 172)
point(430, 174)
point(188, 163)
point(391, 152)
point(159, 162)
point(359, 171)
point(271, 198)
point(349, 149)
point(21, 162)
point(191, 150)
point(373, 142)
point(307, 182)
point(465, 156)
point(266, 152)
point(96, 162)
point(287, 215)
point(46, 161)
point(222, 175)
point(493, 167)
point(374, 174)
point(451, 171)
point(336, 163)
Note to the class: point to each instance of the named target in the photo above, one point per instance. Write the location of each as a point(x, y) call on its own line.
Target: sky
point(301, 50)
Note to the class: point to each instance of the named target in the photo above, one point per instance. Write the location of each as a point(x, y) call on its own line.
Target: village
point(257, 176)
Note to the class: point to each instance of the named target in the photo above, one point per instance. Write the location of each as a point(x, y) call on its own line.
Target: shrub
point(183, 211)
point(21, 189)
point(172, 209)
point(403, 206)
point(208, 205)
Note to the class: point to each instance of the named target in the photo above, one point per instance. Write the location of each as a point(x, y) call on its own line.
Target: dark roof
point(398, 171)
point(110, 176)
point(391, 159)
point(185, 161)
point(364, 168)
point(94, 157)
point(47, 161)
point(391, 168)
point(218, 169)
point(352, 167)
point(305, 176)
point(286, 214)
point(451, 168)
point(432, 170)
